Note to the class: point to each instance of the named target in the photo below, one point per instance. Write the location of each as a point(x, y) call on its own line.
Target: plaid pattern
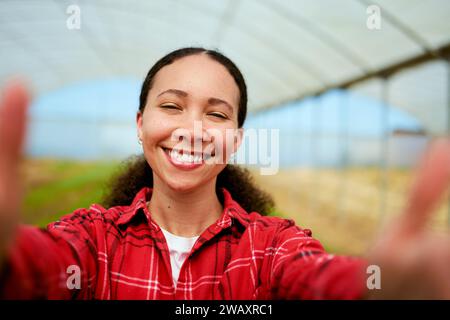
point(122, 254)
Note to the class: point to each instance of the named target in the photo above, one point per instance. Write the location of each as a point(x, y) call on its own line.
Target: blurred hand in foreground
point(415, 261)
point(13, 108)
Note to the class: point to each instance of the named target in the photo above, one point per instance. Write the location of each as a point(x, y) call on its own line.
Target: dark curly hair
point(135, 173)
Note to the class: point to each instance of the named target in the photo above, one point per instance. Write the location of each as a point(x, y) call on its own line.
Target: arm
point(37, 263)
point(33, 262)
point(301, 269)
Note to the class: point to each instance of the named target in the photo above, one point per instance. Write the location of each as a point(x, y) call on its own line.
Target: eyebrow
point(175, 91)
point(216, 101)
point(211, 101)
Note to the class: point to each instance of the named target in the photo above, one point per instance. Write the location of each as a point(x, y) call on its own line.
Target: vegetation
point(342, 208)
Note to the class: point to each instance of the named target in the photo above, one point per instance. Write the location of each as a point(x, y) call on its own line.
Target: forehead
point(200, 76)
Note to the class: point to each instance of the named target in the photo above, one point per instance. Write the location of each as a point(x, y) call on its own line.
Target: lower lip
point(182, 165)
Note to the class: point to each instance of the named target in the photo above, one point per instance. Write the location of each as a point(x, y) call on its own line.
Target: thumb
point(13, 107)
point(429, 187)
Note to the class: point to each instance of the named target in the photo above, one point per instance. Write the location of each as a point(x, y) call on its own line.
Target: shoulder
point(116, 215)
point(261, 223)
point(276, 224)
point(95, 214)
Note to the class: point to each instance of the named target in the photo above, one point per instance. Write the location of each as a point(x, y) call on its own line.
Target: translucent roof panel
point(286, 49)
point(421, 91)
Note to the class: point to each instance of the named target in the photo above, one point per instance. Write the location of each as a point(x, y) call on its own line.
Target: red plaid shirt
point(122, 254)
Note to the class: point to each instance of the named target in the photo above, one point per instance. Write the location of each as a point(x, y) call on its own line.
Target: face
point(189, 126)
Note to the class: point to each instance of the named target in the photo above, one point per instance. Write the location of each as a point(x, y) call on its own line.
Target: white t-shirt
point(179, 249)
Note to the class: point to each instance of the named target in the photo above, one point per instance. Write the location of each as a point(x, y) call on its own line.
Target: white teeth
point(187, 158)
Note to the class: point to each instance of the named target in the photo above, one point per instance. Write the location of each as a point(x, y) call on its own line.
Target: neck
point(185, 214)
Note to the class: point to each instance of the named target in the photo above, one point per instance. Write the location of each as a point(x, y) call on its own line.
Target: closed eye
point(170, 106)
point(218, 115)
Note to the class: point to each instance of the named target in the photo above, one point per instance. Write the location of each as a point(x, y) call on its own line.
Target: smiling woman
point(181, 223)
point(174, 118)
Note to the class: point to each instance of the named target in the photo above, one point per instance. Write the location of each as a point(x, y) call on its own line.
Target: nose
point(192, 134)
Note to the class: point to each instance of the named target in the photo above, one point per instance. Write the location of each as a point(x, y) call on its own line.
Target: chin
point(183, 186)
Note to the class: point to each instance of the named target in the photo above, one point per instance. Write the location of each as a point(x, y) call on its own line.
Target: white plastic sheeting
point(286, 49)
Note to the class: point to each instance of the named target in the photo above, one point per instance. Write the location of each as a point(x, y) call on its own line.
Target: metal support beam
point(384, 165)
point(387, 71)
point(316, 139)
point(344, 155)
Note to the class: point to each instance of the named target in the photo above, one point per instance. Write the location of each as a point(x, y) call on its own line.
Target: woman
point(182, 224)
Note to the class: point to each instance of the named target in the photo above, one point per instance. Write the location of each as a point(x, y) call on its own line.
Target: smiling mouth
point(187, 157)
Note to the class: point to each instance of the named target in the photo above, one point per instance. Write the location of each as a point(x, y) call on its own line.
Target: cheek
point(155, 129)
point(223, 143)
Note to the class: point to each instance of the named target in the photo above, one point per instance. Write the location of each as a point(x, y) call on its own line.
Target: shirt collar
point(232, 211)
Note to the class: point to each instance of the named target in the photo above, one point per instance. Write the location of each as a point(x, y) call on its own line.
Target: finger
point(430, 185)
point(13, 108)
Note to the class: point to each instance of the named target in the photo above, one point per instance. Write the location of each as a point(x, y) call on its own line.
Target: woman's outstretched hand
point(415, 262)
point(13, 108)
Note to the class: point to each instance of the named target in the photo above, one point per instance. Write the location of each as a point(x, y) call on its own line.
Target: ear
point(139, 122)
